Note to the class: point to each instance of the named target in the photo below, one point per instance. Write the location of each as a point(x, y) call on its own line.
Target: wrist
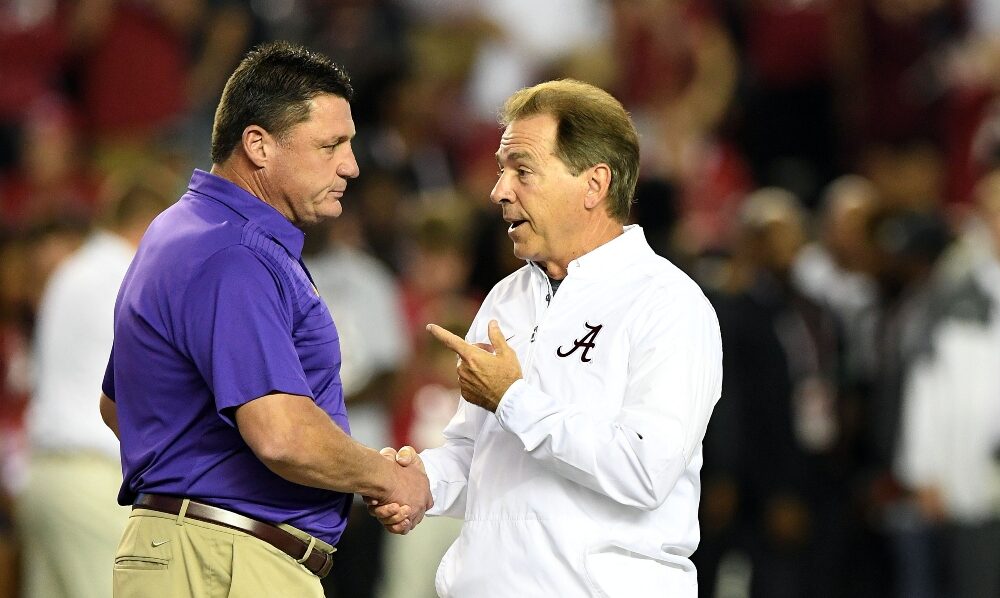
point(384, 479)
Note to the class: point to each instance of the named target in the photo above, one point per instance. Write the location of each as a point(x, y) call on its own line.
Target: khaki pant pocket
point(140, 563)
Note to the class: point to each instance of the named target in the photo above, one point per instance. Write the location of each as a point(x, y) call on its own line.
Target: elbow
point(641, 493)
point(278, 452)
point(649, 500)
point(651, 491)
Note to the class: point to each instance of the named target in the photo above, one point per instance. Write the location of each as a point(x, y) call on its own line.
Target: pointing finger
point(453, 342)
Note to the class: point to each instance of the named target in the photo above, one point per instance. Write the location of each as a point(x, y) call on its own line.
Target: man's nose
point(501, 191)
point(349, 168)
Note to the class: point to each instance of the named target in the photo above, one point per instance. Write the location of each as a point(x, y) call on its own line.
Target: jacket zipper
point(539, 318)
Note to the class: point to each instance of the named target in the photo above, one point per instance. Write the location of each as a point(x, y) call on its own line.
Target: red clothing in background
point(135, 77)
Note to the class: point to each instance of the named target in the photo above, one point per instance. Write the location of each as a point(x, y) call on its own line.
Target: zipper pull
point(548, 298)
point(533, 334)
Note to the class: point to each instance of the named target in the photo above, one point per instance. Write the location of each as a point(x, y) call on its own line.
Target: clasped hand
point(485, 372)
point(405, 506)
point(399, 517)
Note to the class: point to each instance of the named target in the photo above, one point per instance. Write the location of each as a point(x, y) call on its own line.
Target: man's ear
point(258, 145)
point(598, 184)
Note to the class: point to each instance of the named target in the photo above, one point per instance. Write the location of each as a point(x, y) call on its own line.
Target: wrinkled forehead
point(532, 137)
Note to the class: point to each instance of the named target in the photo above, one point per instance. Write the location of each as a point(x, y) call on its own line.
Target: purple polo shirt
point(217, 310)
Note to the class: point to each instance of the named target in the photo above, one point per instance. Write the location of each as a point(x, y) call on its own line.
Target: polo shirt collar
point(251, 207)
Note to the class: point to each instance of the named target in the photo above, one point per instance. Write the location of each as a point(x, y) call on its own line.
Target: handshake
point(411, 496)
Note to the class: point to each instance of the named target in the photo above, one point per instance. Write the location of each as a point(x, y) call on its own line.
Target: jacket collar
point(614, 256)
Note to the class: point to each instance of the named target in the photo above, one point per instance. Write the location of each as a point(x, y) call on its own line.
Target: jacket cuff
point(521, 408)
point(507, 410)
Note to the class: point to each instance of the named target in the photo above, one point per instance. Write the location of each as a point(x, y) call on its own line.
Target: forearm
point(298, 441)
point(333, 460)
point(633, 465)
point(634, 455)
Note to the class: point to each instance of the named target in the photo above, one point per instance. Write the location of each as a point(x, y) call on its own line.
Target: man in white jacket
point(588, 379)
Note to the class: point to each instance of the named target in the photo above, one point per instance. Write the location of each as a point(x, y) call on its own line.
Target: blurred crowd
point(827, 170)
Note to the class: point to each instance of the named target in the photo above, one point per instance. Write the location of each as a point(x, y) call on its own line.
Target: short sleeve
point(108, 386)
point(237, 325)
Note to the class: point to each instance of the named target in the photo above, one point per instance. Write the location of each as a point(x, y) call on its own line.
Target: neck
point(245, 177)
point(593, 237)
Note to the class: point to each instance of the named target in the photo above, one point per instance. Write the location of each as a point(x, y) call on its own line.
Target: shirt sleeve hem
point(291, 386)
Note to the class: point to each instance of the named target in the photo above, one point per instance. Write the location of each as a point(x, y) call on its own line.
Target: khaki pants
point(69, 525)
point(164, 556)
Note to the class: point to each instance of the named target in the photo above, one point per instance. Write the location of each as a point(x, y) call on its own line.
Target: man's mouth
point(515, 223)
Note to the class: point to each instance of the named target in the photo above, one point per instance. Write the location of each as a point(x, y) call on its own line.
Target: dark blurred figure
point(797, 81)
point(14, 391)
point(782, 373)
point(838, 271)
point(35, 43)
point(51, 179)
point(368, 37)
point(909, 244)
point(409, 139)
point(903, 45)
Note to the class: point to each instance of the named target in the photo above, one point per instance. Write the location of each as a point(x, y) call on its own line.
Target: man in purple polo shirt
point(223, 384)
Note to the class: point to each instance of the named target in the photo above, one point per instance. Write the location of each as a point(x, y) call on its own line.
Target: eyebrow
point(335, 140)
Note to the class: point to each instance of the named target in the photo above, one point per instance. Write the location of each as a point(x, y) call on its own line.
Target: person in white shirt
point(588, 378)
point(67, 516)
point(949, 447)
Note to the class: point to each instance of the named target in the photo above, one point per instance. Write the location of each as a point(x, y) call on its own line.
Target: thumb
point(406, 456)
point(388, 452)
point(496, 338)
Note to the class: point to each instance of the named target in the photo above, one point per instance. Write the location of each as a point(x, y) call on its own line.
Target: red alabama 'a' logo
point(587, 343)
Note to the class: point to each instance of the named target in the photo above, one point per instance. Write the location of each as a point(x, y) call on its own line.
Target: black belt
point(317, 561)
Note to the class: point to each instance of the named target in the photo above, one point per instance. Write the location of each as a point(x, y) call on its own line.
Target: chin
point(524, 253)
point(330, 211)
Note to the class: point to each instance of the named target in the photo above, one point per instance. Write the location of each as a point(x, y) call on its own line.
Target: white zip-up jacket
point(586, 480)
